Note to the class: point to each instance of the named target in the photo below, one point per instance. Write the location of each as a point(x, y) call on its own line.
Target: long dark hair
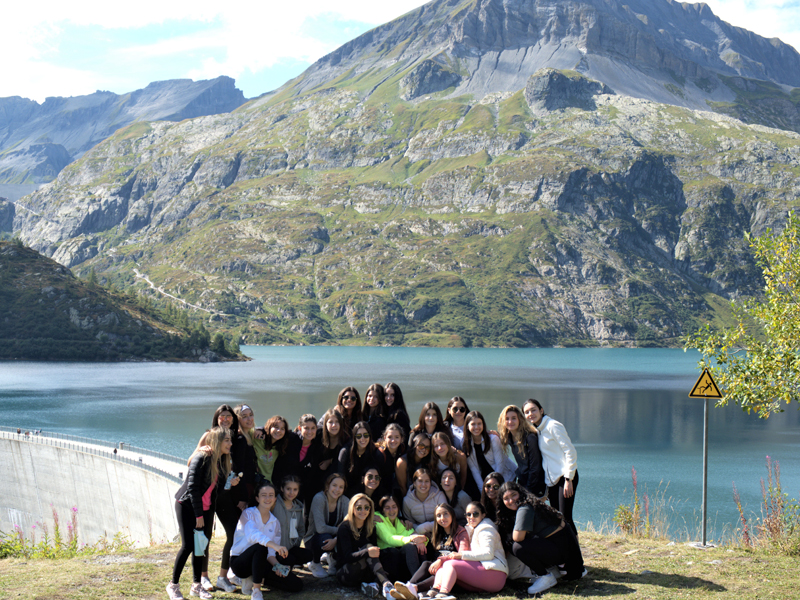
point(401, 449)
point(344, 434)
point(440, 535)
point(466, 446)
point(420, 426)
point(454, 501)
point(369, 450)
point(453, 400)
point(399, 403)
point(411, 453)
point(234, 424)
point(487, 502)
point(378, 411)
point(506, 517)
point(355, 417)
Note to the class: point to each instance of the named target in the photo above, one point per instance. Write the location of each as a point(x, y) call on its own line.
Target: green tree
point(756, 362)
point(218, 344)
point(92, 278)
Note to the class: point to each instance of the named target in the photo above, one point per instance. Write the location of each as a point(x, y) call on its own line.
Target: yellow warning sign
point(705, 387)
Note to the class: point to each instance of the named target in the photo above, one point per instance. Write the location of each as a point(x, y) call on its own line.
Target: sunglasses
point(348, 397)
point(373, 477)
point(360, 436)
point(458, 409)
point(473, 514)
point(489, 486)
point(361, 508)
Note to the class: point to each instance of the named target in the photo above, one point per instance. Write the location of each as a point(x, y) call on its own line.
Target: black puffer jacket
point(198, 479)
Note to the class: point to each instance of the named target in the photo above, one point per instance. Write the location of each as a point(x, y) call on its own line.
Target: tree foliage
point(756, 362)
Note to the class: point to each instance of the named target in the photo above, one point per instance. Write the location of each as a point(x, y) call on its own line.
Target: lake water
point(623, 408)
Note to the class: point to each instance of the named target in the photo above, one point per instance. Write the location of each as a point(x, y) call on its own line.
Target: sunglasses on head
point(475, 514)
point(458, 409)
point(491, 486)
point(359, 436)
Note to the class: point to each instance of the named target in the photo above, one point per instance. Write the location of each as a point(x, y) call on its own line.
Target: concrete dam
point(130, 491)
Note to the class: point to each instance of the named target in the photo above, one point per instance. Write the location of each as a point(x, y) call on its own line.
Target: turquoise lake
point(623, 408)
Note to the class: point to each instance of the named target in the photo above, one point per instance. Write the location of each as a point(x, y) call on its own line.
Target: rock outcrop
point(548, 90)
point(38, 140)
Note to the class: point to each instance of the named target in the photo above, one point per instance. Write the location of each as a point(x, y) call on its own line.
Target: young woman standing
point(328, 510)
point(484, 450)
point(301, 456)
point(208, 469)
point(430, 421)
point(541, 538)
point(374, 411)
point(482, 568)
point(257, 548)
point(396, 408)
point(454, 419)
point(447, 456)
point(516, 432)
point(269, 447)
point(393, 447)
point(559, 460)
point(348, 404)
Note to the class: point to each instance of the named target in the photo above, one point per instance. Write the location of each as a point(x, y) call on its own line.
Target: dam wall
point(111, 492)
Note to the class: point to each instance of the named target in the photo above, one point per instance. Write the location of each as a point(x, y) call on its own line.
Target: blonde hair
point(210, 445)
point(369, 522)
point(517, 438)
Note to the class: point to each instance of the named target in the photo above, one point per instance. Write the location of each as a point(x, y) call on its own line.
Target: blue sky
point(71, 48)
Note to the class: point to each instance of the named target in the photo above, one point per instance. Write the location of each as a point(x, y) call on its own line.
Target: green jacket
point(393, 536)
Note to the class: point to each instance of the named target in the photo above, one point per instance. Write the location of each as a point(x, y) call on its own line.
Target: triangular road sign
point(705, 387)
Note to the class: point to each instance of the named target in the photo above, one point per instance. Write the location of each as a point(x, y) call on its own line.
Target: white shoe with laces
point(247, 585)
point(206, 583)
point(540, 584)
point(225, 585)
point(256, 594)
point(317, 570)
point(233, 578)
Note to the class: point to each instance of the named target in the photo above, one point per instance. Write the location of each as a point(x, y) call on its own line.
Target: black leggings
point(186, 525)
point(228, 513)
point(316, 544)
point(296, 556)
point(423, 578)
point(363, 570)
point(253, 563)
point(541, 553)
point(400, 562)
point(564, 505)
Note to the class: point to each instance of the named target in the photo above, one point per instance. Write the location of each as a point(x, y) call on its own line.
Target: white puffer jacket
point(422, 512)
point(485, 546)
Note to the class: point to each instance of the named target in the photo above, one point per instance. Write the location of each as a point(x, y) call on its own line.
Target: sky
point(58, 48)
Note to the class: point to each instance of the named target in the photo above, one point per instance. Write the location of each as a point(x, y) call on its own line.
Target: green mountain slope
point(48, 314)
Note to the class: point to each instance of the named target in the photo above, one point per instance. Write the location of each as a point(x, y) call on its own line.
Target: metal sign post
point(705, 388)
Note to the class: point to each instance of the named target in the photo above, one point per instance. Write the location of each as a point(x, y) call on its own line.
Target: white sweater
point(499, 460)
point(559, 458)
point(251, 530)
point(485, 546)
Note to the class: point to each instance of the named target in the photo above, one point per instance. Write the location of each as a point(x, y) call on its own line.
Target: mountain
point(420, 187)
point(48, 314)
point(38, 140)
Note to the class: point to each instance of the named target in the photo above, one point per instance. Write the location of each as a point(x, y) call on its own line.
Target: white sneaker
point(371, 590)
point(174, 591)
point(325, 559)
point(225, 585)
point(387, 588)
point(206, 583)
point(256, 594)
point(198, 590)
point(247, 586)
point(406, 591)
point(233, 578)
point(545, 582)
point(317, 570)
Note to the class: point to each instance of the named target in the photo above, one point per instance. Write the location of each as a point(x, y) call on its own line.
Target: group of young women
point(403, 511)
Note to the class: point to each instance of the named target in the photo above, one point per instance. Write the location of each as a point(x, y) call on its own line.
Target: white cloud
point(767, 18)
point(228, 38)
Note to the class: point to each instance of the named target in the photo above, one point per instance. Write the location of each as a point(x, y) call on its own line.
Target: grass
point(619, 568)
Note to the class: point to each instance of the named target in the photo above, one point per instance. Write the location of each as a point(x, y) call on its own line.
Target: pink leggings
point(470, 575)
